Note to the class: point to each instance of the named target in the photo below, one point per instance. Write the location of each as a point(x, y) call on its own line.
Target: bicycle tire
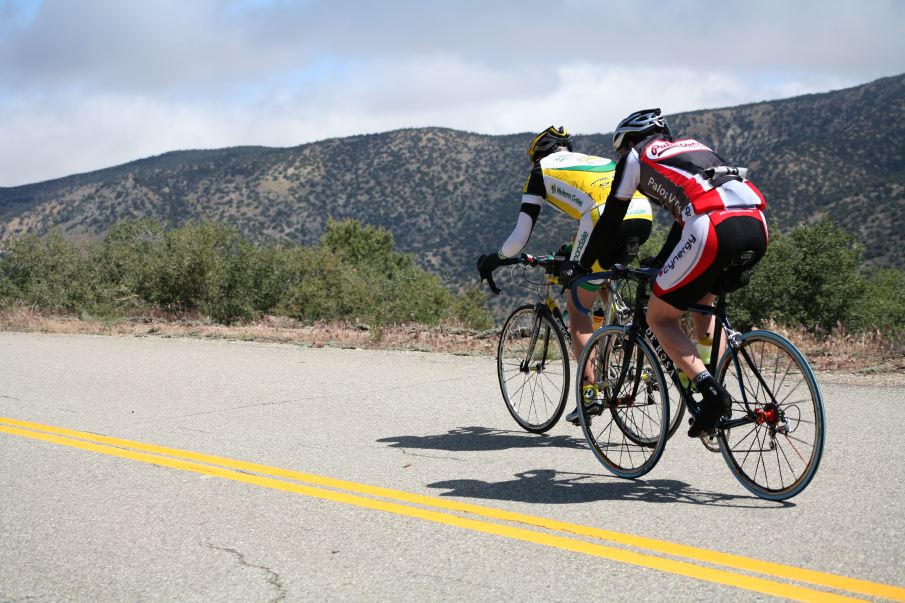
point(786, 408)
point(535, 394)
point(627, 438)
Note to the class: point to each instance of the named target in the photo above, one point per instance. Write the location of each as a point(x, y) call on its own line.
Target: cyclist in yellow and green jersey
point(578, 186)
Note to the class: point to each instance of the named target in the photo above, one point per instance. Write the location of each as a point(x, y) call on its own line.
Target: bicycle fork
point(627, 371)
point(540, 311)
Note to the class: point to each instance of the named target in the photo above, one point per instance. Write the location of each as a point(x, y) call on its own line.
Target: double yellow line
point(683, 560)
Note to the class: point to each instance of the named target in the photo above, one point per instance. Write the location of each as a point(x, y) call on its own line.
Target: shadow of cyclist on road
point(484, 438)
point(546, 486)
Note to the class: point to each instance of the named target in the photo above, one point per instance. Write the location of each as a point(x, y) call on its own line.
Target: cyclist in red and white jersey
point(718, 215)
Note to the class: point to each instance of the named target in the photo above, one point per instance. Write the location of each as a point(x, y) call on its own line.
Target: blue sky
point(85, 84)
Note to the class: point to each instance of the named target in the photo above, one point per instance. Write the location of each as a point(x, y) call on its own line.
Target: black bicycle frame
point(640, 327)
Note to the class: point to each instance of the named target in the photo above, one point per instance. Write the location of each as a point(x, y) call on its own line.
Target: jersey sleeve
point(627, 177)
point(532, 201)
point(534, 185)
point(524, 226)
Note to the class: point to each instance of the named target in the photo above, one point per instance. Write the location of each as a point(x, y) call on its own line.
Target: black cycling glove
point(569, 272)
point(487, 264)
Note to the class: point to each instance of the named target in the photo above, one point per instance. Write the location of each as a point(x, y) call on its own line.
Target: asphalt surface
point(85, 518)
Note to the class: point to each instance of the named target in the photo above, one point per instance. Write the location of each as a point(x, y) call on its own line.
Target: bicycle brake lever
point(496, 290)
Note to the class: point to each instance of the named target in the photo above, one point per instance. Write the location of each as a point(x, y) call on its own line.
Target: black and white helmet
point(637, 126)
point(548, 141)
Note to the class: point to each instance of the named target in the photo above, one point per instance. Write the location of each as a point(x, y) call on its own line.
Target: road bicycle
point(772, 440)
point(533, 349)
point(533, 363)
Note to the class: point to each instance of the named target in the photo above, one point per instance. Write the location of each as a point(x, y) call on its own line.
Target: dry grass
point(445, 338)
point(870, 358)
point(860, 358)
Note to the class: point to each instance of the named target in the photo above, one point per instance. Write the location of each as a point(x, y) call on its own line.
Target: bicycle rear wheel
point(533, 369)
point(776, 453)
point(626, 424)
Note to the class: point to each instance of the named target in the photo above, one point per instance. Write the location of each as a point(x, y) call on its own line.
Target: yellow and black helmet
point(548, 141)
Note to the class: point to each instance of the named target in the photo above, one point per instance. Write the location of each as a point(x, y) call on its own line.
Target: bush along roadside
point(142, 266)
point(812, 278)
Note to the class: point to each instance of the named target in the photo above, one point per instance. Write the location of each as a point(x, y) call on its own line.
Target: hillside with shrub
point(447, 196)
point(811, 278)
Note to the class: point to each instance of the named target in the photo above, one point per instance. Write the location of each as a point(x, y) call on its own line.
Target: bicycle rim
point(676, 407)
point(533, 369)
point(627, 427)
point(776, 454)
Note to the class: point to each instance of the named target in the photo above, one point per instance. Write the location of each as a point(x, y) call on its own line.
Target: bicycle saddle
point(737, 273)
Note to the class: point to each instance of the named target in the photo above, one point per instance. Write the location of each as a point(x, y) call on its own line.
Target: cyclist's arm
point(532, 200)
point(601, 242)
point(672, 239)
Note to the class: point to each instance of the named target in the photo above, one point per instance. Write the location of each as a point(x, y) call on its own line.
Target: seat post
point(718, 313)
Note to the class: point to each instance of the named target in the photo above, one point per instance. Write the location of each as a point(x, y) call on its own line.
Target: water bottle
point(704, 348)
point(597, 318)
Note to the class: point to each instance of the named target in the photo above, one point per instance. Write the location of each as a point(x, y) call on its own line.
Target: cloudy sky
point(86, 84)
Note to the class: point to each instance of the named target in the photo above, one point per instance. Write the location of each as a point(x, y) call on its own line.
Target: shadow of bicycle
point(546, 486)
point(483, 439)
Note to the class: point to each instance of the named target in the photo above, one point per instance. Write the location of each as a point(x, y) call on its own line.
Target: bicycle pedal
point(710, 442)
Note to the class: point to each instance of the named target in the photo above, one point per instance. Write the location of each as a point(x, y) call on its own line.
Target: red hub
point(768, 415)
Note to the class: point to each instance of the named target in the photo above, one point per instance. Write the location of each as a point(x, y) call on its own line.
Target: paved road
point(102, 499)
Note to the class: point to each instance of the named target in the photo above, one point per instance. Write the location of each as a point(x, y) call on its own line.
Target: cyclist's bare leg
point(703, 323)
point(580, 327)
point(604, 293)
point(663, 319)
point(664, 322)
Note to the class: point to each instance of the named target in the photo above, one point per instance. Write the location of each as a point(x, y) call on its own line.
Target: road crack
point(273, 578)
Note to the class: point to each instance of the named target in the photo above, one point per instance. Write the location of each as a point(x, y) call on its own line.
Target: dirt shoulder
point(858, 360)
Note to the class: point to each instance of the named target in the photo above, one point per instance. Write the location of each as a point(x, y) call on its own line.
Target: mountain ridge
point(448, 195)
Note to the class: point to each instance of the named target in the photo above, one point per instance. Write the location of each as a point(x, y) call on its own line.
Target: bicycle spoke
point(785, 457)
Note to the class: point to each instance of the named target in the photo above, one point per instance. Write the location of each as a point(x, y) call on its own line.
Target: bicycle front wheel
point(533, 368)
point(775, 452)
point(624, 403)
point(619, 312)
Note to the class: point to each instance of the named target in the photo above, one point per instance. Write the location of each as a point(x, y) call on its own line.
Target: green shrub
point(54, 275)
point(316, 286)
point(381, 286)
point(810, 277)
point(882, 304)
point(197, 267)
point(468, 309)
